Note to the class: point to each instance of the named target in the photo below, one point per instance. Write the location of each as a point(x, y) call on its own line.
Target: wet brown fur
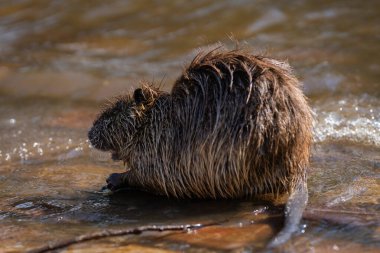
point(234, 125)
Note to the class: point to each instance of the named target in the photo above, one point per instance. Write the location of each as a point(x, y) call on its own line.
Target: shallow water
point(59, 61)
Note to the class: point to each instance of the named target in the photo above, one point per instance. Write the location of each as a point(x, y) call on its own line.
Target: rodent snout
point(95, 139)
point(92, 136)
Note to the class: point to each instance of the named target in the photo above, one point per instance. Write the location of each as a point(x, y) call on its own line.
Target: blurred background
point(60, 60)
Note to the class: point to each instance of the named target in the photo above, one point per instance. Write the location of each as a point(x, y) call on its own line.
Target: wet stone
point(226, 238)
point(59, 62)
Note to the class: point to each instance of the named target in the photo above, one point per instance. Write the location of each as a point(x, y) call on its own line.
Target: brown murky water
point(59, 60)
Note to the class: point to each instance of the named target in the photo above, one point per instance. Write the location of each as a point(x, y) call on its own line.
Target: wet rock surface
point(59, 61)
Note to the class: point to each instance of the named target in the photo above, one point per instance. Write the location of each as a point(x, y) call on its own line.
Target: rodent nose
point(91, 136)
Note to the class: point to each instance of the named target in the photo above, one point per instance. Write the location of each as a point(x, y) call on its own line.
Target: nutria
point(233, 125)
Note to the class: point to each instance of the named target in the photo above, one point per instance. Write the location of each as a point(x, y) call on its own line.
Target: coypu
point(233, 125)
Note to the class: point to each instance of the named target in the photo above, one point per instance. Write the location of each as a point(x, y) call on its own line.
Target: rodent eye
point(107, 122)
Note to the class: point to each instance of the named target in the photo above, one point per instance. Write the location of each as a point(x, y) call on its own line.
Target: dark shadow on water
point(135, 208)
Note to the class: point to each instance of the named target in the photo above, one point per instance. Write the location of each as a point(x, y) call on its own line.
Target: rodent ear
point(139, 96)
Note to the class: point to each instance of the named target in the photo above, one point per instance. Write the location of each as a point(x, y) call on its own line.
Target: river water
point(60, 60)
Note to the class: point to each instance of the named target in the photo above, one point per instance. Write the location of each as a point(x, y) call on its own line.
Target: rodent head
point(115, 126)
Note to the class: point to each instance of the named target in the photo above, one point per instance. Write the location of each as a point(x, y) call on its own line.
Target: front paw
point(115, 181)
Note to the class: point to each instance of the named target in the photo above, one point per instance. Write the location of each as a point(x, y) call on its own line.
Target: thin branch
point(111, 233)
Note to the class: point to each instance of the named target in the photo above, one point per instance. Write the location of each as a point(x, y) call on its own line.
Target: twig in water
point(120, 232)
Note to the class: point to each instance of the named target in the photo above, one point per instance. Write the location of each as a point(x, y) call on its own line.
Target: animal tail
point(293, 213)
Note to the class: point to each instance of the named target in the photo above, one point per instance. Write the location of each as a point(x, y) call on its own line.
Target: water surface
point(60, 60)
